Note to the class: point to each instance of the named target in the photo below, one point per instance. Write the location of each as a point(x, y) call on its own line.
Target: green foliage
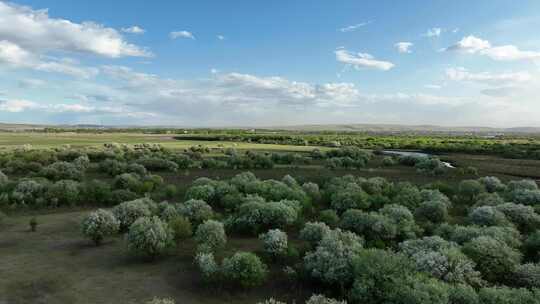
point(527, 275)
point(488, 216)
point(314, 232)
point(149, 237)
point(351, 196)
point(128, 212)
point(196, 211)
point(181, 228)
point(64, 192)
point(99, 224)
point(329, 217)
point(245, 269)
point(331, 261)
point(494, 259)
point(210, 236)
point(274, 242)
point(208, 266)
point(470, 189)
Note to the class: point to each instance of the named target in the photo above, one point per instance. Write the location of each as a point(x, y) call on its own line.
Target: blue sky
point(223, 63)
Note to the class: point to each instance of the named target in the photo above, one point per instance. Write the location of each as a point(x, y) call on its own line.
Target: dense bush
point(245, 269)
point(258, 216)
point(494, 259)
point(314, 232)
point(492, 184)
point(62, 170)
point(442, 260)
point(128, 212)
point(64, 192)
point(209, 268)
point(488, 216)
point(149, 236)
point(470, 189)
point(332, 260)
point(181, 228)
point(351, 196)
point(274, 242)
point(527, 275)
point(158, 164)
point(196, 211)
point(99, 224)
point(210, 236)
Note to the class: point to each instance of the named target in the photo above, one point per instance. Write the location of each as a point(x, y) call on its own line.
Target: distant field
point(50, 140)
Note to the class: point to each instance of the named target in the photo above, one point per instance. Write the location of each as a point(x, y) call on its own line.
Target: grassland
point(56, 265)
point(51, 140)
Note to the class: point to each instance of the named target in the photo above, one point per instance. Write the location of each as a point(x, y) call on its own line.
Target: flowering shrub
point(161, 301)
point(210, 236)
point(206, 262)
point(128, 212)
point(331, 262)
point(149, 236)
point(314, 232)
point(275, 242)
point(320, 299)
point(494, 259)
point(196, 211)
point(99, 224)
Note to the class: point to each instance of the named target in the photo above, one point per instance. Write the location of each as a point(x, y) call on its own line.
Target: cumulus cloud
point(17, 105)
point(462, 74)
point(404, 47)
point(134, 30)
point(36, 32)
point(434, 32)
point(181, 34)
point(22, 105)
point(362, 60)
point(470, 44)
point(474, 45)
point(14, 56)
point(352, 28)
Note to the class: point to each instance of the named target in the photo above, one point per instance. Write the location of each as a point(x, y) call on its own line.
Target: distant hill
point(405, 128)
point(375, 128)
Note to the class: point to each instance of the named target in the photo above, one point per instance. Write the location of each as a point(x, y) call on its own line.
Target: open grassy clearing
point(51, 140)
point(56, 265)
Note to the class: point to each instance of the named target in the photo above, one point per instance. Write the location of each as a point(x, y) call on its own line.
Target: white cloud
point(134, 30)
point(474, 45)
point(36, 32)
point(470, 44)
point(434, 32)
point(404, 47)
point(362, 60)
point(21, 105)
point(510, 53)
point(433, 86)
point(181, 34)
point(462, 74)
point(14, 56)
point(352, 28)
point(220, 37)
point(17, 105)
